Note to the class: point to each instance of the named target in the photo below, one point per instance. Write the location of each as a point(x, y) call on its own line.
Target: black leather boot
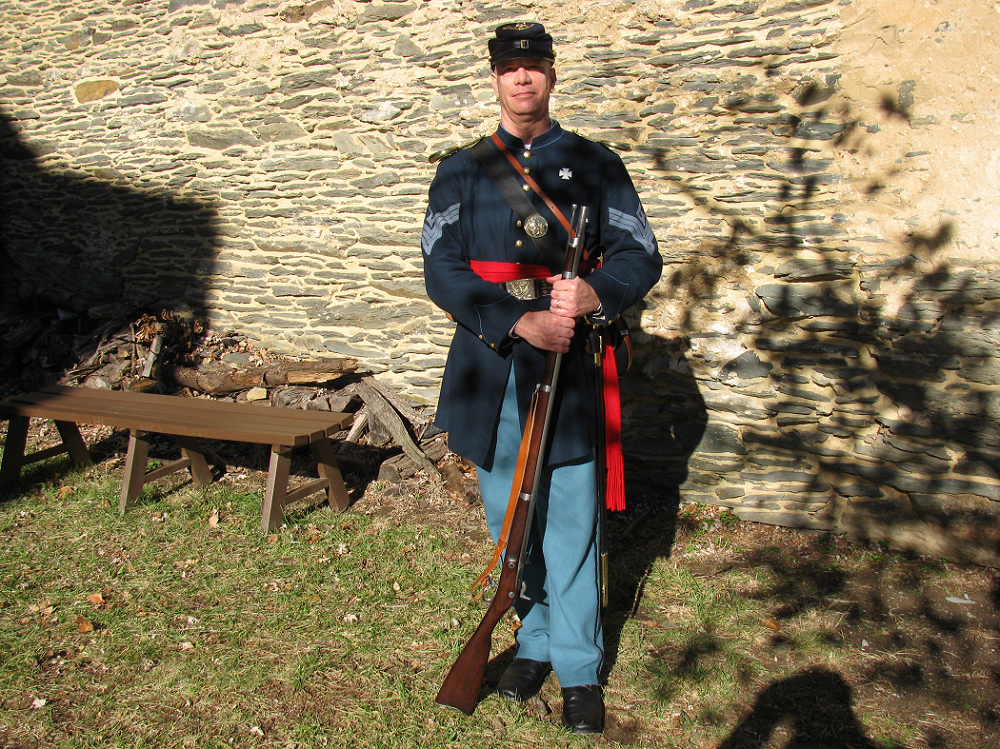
point(522, 679)
point(583, 709)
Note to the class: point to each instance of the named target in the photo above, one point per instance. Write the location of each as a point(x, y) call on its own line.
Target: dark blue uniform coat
point(468, 219)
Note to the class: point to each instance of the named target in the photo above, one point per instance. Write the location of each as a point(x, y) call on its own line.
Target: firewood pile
point(391, 439)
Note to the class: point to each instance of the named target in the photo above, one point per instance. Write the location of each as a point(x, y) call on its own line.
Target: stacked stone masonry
point(822, 177)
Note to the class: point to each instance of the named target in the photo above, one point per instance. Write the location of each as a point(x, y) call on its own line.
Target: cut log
point(313, 400)
point(436, 447)
point(216, 380)
point(154, 354)
point(359, 426)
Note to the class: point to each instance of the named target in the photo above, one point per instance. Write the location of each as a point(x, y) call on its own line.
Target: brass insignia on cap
point(536, 226)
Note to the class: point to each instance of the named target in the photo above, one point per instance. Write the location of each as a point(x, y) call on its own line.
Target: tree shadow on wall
point(78, 251)
point(897, 354)
point(882, 406)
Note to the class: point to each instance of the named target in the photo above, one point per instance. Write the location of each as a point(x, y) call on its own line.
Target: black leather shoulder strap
point(503, 175)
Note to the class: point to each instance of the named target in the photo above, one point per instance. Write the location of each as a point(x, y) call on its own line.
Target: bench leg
point(326, 466)
point(74, 443)
point(135, 469)
point(273, 511)
point(13, 451)
point(201, 474)
point(15, 458)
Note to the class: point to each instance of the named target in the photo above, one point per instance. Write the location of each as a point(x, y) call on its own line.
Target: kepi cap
point(513, 40)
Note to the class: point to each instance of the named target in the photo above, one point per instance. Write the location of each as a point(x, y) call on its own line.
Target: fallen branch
point(382, 411)
point(405, 409)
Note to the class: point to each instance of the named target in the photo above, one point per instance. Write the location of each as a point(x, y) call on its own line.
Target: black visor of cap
point(514, 40)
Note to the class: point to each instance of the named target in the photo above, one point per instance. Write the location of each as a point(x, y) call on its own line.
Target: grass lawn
point(181, 625)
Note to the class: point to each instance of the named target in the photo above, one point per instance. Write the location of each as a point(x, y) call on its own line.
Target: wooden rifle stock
point(460, 689)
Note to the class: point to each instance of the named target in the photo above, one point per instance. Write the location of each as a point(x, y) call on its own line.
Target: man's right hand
point(546, 331)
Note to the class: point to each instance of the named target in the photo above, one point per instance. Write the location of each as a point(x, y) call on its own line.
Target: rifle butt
point(460, 689)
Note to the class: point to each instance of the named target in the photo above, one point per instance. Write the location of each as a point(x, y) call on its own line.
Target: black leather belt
point(527, 288)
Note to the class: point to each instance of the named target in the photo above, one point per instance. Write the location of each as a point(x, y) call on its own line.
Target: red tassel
point(615, 487)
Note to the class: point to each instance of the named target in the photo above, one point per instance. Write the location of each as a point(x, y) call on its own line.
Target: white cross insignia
point(565, 173)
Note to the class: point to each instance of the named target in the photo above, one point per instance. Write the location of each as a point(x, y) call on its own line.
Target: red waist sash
point(614, 480)
point(500, 272)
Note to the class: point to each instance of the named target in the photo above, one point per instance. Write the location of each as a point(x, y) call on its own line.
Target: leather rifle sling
point(508, 517)
point(534, 185)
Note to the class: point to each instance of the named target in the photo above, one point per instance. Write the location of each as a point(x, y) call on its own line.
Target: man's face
point(523, 86)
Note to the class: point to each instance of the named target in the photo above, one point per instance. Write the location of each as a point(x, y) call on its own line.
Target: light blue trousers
point(560, 609)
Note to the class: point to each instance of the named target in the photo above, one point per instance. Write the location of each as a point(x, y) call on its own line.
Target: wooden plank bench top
point(186, 420)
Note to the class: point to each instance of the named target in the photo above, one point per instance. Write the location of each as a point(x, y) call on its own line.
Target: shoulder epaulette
point(611, 145)
point(615, 145)
point(444, 153)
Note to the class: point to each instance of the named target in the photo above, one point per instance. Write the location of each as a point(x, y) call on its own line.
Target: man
point(475, 245)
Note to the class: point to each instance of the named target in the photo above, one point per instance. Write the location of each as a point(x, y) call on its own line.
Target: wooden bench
point(186, 420)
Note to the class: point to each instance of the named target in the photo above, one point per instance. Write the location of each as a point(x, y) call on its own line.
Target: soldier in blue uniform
point(476, 249)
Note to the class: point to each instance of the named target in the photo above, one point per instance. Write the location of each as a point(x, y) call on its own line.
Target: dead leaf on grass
point(83, 626)
point(65, 491)
point(45, 608)
point(213, 519)
point(96, 598)
point(771, 625)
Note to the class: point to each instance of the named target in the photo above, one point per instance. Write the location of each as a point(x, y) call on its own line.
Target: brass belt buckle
point(523, 289)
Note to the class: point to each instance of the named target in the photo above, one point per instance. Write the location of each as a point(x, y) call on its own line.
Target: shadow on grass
point(814, 706)
point(36, 474)
point(635, 542)
point(908, 642)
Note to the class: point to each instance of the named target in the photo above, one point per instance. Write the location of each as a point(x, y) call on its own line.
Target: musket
point(460, 689)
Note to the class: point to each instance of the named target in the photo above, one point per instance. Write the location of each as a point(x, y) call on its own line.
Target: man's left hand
point(572, 297)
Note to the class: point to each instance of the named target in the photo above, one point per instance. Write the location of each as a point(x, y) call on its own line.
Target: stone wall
point(821, 175)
